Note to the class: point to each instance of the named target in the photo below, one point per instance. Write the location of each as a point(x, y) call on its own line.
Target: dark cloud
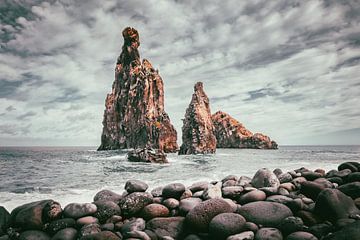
point(10, 108)
point(261, 93)
point(8, 88)
point(26, 115)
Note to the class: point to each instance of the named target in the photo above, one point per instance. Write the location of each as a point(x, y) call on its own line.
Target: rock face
point(198, 130)
point(147, 155)
point(230, 133)
point(134, 114)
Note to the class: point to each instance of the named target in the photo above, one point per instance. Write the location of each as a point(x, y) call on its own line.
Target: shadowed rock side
point(230, 133)
point(198, 130)
point(134, 114)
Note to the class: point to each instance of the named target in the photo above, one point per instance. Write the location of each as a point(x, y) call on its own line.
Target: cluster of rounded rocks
point(300, 204)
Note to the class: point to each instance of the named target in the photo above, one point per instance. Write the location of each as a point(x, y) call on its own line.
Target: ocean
point(76, 174)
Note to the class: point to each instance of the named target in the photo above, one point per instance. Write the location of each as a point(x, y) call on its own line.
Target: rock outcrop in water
point(134, 114)
point(299, 204)
point(198, 130)
point(230, 133)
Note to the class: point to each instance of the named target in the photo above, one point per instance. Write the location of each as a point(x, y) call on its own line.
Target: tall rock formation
point(230, 133)
point(134, 114)
point(198, 129)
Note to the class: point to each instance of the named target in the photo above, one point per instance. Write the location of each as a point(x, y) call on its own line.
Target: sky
point(288, 69)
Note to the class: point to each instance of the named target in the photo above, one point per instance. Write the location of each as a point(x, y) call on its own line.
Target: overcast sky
point(289, 69)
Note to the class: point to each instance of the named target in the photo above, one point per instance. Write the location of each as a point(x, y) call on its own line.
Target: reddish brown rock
point(134, 114)
point(198, 130)
point(230, 133)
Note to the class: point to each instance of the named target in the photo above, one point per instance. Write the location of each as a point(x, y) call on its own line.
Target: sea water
point(76, 174)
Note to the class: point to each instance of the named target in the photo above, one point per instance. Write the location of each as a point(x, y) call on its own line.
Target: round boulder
point(173, 190)
point(66, 234)
point(78, 210)
point(268, 214)
point(86, 220)
point(170, 226)
point(265, 178)
point(33, 235)
point(171, 203)
point(301, 236)
point(226, 224)
point(34, 215)
point(332, 205)
point(252, 196)
point(4, 220)
point(106, 209)
point(154, 210)
point(351, 189)
point(107, 195)
point(135, 202)
point(187, 204)
point(59, 224)
point(135, 186)
point(268, 234)
point(200, 216)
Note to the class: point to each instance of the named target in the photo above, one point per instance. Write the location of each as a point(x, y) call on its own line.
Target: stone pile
point(296, 205)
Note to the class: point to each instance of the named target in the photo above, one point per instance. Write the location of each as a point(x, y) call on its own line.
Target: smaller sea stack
point(230, 133)
point(198, 130)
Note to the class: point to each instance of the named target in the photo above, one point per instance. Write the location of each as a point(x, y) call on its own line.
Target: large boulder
point(173, 190)
point(32, 216)
point(59, 224)
point(170, 226)
point(135, 186)
point(78, 210)
point(226, 224)
point(268, 214)
point(301, 236)
point(107, 195)
point(252, 196)
point(332, 205)
point(265, 178)
point(147, 155)
point(4, 220)
point(353, 166)
point(312, 189)
point(349, 232)
point(187, 204)
point(66, 234)
point(135, 202)
point(200, 216)
point(351, 189)
point(34, 235)
point(154, 210)
point(106, 209)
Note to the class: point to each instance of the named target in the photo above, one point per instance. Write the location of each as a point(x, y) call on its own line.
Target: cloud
point(285, 68)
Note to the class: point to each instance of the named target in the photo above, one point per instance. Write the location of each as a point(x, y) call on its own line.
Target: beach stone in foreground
point(226, 224)
point(173, 190)
point(135, 202)
point(34, 235)
point(59, 224)
point(247, 235)
point(187, 204)
point(106, 209)
point(104, 235)
point(34, 215)
point(107, 195)
point(135, 186)
point(349, 232)
point(78, 210)
point(154, 210)
point(268, 234)
point(332, 205)
point(170, 226)
point(137, 224)
point(4, 220)
point(351, 189)
point(200, 216)
point(265, 178)
point(301, 236)
point(65, 234)
point(269, 214)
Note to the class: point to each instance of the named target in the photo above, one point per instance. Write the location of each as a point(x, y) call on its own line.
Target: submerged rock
point(230, 133)
point(147, 155)
point(134, 115)
point(198, 130)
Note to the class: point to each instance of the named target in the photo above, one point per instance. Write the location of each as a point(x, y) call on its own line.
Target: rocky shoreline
point(294, 205)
